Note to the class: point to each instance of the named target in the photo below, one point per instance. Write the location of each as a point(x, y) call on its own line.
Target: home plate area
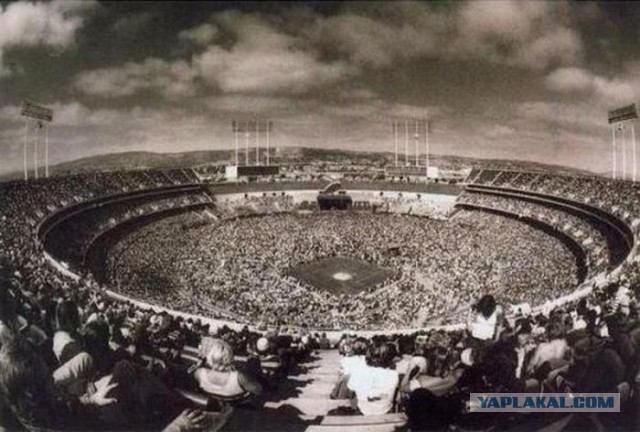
point(340, 275)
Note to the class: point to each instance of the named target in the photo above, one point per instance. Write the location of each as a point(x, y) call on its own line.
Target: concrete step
point(316, 406)
point(352, 428)
point(319, 378)
point(321, 369)
point(324, 388)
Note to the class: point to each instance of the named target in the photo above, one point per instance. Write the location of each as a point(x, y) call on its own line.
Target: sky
point(527, 80)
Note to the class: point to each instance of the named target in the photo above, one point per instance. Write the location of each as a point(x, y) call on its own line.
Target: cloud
point(570, 80)
point(585, 117)
point(579, 81)
point(534, 35)
point(201, 35)
point(498, 131)
point(29, 24)
point(263, 60)
point(261, 54)
point(172, 79)
point(367, 41)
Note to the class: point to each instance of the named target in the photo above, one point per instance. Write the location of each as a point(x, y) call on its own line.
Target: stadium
point(308, 288)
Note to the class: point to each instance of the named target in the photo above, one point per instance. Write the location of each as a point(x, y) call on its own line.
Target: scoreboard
point(235, 171)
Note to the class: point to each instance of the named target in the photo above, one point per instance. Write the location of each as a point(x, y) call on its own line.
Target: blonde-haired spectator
point(219, 376)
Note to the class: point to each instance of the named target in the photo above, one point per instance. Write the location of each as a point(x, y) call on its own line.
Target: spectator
point(220, 377)
point(376, 383)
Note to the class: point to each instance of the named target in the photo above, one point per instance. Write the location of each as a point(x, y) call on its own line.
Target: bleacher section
point(67, 216)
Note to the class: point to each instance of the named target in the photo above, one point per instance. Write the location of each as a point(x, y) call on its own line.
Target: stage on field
point(340, 275)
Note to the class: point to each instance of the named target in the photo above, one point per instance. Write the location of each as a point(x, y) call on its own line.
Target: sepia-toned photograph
point(319, 216)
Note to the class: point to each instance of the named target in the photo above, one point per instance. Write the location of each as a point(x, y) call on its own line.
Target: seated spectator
point(66, 340)
point(352, 360)
point(220, 376)
point(8, 317)
point(553, 351)
point(130, 398)
point(412, 352)
point(376, 382)
point(324, 342)
point(355, 356)
point(427, 412)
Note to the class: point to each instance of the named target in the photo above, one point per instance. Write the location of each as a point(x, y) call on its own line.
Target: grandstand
point(107, 243)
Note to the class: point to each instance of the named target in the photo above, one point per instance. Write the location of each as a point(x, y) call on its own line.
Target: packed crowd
point(621, 198)
point(585, 234)
point(242, 266)
point(589, 346)
point(71, 357)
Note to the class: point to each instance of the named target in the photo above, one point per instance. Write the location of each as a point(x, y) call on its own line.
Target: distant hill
point(149, 160)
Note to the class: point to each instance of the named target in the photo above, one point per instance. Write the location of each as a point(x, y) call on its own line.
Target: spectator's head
point(486, 305)
point(220, 356)
point(96, 337)
point(382, 356)
point(359, 347)
point(427, 412)
point(523, 333)
point(8, 317)
point(406, 345)
point(555, 330)
point(26, 383)
point(67, 316)
point(262, 345)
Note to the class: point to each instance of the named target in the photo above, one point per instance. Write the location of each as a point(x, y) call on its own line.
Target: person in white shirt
point(487, 323)
point(355, 358)
point(376, 382)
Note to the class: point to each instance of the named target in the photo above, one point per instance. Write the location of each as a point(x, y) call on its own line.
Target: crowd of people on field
point(243, 266)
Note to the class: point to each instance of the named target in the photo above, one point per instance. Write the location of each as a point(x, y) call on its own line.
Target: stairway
point(299, 401)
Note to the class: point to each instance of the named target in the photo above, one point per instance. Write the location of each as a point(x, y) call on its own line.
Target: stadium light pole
point(613, 151)
point(406, 143)
point(275, 144)
point(415, 139)
point(617, 119)
point(35, 154)
point(635, 156)
point(395, 140)
point(46, 151)
point(36, 114)
point(26, 144)
point(426, 146)
point(235, 135)
point(624, 153)
point(257, 142)
point(268, 126)
point(246, 144)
